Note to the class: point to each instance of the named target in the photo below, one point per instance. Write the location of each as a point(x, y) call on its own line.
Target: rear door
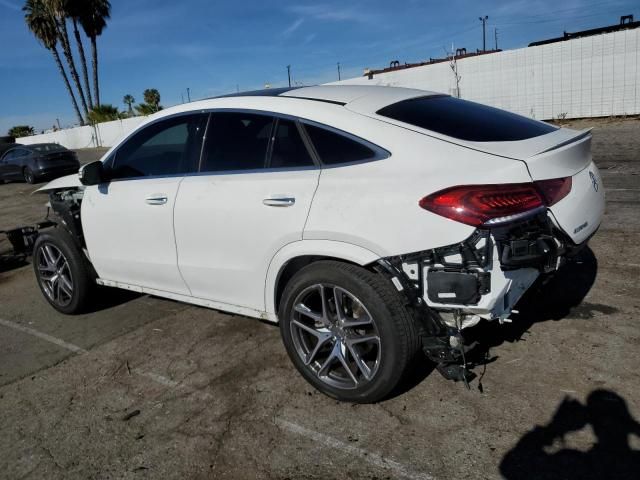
point(251, 198)
point(128, 222)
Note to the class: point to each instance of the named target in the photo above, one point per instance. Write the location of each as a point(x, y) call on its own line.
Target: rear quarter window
point(465, 120)
point(334, 148)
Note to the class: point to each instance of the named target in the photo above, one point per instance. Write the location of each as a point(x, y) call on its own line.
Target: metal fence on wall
point(586, 77)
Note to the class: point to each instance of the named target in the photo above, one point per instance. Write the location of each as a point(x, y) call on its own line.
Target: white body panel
point(130, 240)
point(226, 235)
point(324, 248)
point(580, 213)
point(375, 204)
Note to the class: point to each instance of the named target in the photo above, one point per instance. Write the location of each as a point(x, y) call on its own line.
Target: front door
point(128, 222)
point(251, 198)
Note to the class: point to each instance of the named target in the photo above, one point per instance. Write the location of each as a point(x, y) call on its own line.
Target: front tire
point(347, 331)
point(63, 273)
point(29, 176)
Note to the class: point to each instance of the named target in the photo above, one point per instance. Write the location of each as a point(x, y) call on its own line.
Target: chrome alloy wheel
point(335, 336)
point(55, 274)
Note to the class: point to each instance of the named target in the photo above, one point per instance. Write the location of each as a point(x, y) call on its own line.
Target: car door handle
point(156, 199)
point(279, 201)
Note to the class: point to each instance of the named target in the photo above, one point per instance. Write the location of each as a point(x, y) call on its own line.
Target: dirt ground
point(148, 388)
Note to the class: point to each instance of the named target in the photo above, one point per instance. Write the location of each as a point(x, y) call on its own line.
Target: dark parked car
point(4, 146)
point(33, 163)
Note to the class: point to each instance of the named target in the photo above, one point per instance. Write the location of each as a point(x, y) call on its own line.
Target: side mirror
point(92, 173)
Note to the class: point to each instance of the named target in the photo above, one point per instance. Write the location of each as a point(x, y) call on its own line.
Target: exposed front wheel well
point(292, 267)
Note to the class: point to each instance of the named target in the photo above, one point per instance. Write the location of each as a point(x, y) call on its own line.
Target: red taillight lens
point(479, 204)
point(491, 204)
point(554, 190)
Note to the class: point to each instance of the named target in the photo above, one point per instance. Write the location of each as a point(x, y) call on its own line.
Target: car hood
point(70, 181)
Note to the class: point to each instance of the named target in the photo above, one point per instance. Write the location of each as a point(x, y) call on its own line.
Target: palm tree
point(59, 12)
point(152, 98)
point(128, 100)
point(75, 11)
point(40, 21)
point(103, 113)
point(94, 20)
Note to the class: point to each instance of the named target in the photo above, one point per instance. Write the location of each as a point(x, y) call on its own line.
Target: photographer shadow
point(542, 455)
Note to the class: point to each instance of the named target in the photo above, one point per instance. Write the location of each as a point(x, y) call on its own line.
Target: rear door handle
point(279, 201)
point(156, 199)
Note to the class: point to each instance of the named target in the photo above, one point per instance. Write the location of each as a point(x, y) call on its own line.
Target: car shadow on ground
point(107, 297)
point(541, 453)
point(554, 298)
point(12, 262)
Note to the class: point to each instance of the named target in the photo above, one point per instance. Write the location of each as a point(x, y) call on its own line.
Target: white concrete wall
point(586, 77)
point(103, 135)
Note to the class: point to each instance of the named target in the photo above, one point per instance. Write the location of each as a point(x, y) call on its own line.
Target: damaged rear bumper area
point(454, 287)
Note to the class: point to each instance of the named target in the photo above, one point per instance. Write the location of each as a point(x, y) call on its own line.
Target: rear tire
point(357, 343)
point(64, 275)
point(29, 176)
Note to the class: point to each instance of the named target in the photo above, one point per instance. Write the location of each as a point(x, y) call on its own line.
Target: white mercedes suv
point(370, 222)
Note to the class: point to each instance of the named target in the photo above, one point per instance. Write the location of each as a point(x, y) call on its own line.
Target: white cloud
point(10, 5)
point(293, 27)
point(333, 13)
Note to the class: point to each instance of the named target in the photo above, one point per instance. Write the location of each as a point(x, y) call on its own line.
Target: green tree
point(93, 19)
point(128, 100)
point(103, 113)
point(20, 131)
point(152, 97)
point(151, 102)
point(40, 21)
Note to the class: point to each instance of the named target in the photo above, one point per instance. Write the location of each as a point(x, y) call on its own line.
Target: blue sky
point(215, 47)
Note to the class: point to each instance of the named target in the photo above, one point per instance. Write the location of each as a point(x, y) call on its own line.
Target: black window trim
point(379, 152)
point(266, 169)
point(109, 162)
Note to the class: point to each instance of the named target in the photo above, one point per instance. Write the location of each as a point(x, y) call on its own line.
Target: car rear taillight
point(478, 205)
point(554, 190)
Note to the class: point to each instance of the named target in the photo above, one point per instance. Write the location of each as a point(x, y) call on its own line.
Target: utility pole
point(484, 37)
point(188, 95)
point(58, 122)
point(495, 33)
point(339, 72)
point(182, 96)
point(289, 74)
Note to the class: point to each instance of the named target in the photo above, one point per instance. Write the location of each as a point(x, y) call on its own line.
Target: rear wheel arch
point(292, 267)
point(295, 256)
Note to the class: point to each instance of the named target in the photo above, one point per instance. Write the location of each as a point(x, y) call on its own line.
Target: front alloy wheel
point(62, 270)
point(29, 176)
point(55, 275)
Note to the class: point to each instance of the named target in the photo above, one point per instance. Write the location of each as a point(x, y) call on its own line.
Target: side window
point(9, 156)
point(288, 148)
point(168, 147)
point(236, 141)
point(334, 148)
